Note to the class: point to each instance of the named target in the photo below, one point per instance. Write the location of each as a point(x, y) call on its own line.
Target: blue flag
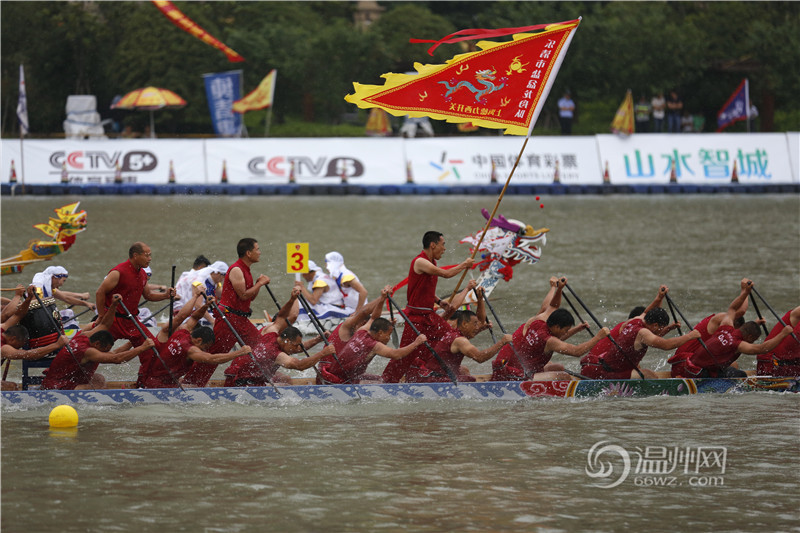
point(222, 90)
point(736, 108)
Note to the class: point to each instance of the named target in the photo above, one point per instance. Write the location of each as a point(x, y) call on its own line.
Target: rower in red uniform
point(535, 341)
point(455, 345)
point(784, 360)
point(272, 350)
point(186, 345)
point(89, 349)
point(369, 340)
point(238, 290)
point(634, 336)
point(129, 280)
point(707, 327)
point(725, 345)
point(423, 275)
point(342, 333)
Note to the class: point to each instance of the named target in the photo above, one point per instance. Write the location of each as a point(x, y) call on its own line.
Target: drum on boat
point(39, 323)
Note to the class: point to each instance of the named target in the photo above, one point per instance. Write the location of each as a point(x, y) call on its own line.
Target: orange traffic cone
point(224, 178)
point(13, 177)
point(606, 175)
point(494, 173)
point(409, 174)
point(556, 175)
point(291, 173)
point(673, 176)
point(117, 174)
point(171, 178)
point(734, 173)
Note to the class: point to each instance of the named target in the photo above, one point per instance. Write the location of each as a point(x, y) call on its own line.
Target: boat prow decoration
point(62, 232)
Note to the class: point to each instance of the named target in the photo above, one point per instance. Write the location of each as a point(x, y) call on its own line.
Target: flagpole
point(271, 101)
point(21, 160)
point(747, 102)
point(268, 121)
point(491, 217)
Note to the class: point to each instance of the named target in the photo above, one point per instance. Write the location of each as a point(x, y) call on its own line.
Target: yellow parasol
point(149, 99)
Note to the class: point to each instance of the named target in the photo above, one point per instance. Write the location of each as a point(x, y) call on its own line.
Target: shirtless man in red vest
point(620, 358)
point(454, 346)
point(784, 360)
point(371, 339)
point(129, 280)
point(238, 290)
point(423, 274)
point(535, 341)
point(707, 327)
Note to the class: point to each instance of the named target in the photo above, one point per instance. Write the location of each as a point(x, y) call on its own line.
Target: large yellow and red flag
point(503, 85)
point(188, 25)
point(260, 97)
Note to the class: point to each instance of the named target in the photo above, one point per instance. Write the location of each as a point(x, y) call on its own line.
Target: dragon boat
point(302, 391)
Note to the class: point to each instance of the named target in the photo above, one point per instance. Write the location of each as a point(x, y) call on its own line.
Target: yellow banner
point(260, 98)
point(623, 121)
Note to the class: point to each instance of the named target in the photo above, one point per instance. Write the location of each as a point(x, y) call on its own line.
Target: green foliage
point(703, 49)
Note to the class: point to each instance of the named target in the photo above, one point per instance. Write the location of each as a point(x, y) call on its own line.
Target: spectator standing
point(752, 115)
point(674, 112)
point(566, 112)
point(641, 112)
point(659, 105)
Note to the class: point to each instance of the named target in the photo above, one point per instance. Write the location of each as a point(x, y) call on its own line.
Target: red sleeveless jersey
point(723, 345)
point(429, 363)
point(354, 359)
point(175, 354)
point(265, 352)
point(130, 286)
point(617, 360)
point(64, 373)
point(421, 290)
point(789, 348)
point(688, 348)
point(229, 298)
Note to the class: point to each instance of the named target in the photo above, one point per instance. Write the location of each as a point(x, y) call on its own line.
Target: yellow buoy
point(63, 416)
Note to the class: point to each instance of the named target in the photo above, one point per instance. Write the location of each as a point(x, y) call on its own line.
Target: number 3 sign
point(297, 257)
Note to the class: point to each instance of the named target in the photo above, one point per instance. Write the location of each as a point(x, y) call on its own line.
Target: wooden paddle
point(773, 312)
point(758, 313)
point(673, 305)
point(158, 311)
point(155, 351)
point(321, 331)
point(171, 303)
point(674, 318)
point(301, 345)
point(614, 342)
point(446, 368)
point(241, 342)
point(395, 339)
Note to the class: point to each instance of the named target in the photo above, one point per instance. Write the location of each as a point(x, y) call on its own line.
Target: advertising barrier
point(311, 161)
point(469, 160)
point(692, 159)
point(696, 159)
